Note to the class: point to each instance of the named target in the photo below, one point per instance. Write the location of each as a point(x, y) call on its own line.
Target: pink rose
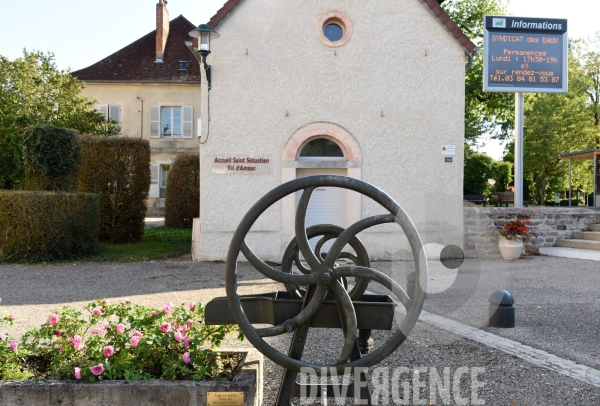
point(77, 342)
point(2, 337)
point(186, 357)
point(120, 328)
point(77, 373)
point(168, 307)
point(135, 341)
point(109, 350)
point(53, 320)
point(138, 334)
point(178, 336)
point(165, 327)
point(58, 333)
point(96, 312)
point(192, 304)
point(13, 345)
point(12, 318)
point(127, 300)
point(96, 331)
point(189, 324)
point(153, 313)
point(184, 329)
point(186, 342)
point(97, 370)
point(105, 326)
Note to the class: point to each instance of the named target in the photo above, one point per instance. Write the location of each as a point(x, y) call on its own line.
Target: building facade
point(372, 90)
point(152, 89)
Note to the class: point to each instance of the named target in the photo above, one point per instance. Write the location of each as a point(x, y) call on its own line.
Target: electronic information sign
point(523, 54)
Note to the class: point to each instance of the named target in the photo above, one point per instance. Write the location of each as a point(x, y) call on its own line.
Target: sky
point(82, 32)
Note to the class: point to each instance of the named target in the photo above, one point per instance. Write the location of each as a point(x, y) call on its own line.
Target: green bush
point(503, 175)
point(45, 226)
point(182, 203)
point(118, 169)
point(51, 158)
point(479, 167)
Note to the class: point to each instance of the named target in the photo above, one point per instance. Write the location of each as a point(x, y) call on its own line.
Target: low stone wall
point(482, 241)
point(248, 380)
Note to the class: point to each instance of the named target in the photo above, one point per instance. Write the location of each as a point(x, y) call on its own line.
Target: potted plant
point(512, 235)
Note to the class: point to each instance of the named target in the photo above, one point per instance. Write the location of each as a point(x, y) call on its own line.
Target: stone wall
point(482, 241)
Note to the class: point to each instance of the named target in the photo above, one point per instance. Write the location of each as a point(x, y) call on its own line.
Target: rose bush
point(117, 341)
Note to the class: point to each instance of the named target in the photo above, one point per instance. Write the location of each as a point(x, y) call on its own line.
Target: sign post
point(524, 55)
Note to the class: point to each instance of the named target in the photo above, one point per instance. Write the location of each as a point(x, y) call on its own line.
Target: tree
point(586, 55)
point(479, 168)
point(555, 124)
point(34, 92)
point(485, 112)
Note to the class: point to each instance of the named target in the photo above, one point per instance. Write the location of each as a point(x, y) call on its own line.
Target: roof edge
point(433, 6)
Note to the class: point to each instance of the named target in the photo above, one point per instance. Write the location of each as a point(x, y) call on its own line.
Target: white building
point(372, 90)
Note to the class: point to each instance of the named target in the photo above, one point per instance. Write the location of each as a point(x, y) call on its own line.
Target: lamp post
point(204, 34)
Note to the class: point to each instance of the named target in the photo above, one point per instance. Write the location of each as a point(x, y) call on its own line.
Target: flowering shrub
point(514, 230)
point(117, 341)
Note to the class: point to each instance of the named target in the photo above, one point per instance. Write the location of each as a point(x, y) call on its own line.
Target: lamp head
point(204, 33)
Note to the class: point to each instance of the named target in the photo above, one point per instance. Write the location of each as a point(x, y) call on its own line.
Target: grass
point(157, 243)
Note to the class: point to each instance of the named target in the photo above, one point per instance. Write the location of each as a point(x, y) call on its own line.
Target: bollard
point(502, 309)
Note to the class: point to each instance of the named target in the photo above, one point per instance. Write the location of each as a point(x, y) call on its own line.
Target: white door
point(327, 204)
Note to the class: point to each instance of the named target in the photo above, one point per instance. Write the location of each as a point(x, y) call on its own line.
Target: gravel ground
point(557, 310)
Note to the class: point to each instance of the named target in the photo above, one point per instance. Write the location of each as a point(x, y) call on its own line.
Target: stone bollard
point(502, 309)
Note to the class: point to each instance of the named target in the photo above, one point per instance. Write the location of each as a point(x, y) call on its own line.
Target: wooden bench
point(475, 199)
point(506, 198)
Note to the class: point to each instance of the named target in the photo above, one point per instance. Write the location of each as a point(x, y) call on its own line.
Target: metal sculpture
point(325, 301)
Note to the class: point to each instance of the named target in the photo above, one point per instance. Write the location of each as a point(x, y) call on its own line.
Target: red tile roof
point(135, 62)
point(434, 6)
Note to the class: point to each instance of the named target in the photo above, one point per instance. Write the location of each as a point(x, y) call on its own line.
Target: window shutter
point(155, 122)
point(188, 121)
point(103, 108)
point(154, 188)
point(114, 113)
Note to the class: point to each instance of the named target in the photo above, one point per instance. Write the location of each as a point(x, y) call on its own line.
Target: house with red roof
point(151, 88)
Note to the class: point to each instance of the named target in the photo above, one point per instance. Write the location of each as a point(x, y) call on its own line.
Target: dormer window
point(183, 65)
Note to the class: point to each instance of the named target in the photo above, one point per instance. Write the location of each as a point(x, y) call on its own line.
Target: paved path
point(557, 313)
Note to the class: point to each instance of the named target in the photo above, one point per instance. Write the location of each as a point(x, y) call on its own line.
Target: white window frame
point(110, 111)
point(157, 126)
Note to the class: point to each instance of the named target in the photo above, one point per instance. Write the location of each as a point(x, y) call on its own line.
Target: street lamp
point(204, 34)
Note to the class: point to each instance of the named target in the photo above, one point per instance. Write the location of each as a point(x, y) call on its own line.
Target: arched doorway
point(316, 149)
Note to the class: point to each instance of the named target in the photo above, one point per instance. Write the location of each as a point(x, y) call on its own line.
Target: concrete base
point(248, 380)
point(571, 253)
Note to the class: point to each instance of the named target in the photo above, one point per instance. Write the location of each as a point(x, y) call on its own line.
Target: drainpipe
point(142, 119)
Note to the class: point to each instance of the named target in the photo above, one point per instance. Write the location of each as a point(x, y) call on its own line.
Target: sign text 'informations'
point(525, 55)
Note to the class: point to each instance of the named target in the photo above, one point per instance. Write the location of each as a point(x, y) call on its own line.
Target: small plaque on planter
point(225, 399)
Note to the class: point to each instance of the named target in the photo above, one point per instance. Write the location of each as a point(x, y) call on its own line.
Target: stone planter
point(510, 249)
point(248, 380)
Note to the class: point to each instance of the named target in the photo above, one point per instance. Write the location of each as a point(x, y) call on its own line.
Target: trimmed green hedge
point(51, 158)
point(182, 203)
point(45, 226)
point(118, 169)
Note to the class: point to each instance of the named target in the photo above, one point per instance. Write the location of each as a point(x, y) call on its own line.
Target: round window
point(334, 29)
point(333, 32)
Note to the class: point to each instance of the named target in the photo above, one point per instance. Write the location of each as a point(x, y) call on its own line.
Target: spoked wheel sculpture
point(350, 311)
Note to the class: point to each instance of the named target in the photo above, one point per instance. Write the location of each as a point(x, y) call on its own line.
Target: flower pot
point(510, 249)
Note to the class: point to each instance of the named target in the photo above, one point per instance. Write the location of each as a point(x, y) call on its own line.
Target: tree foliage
point(33, 91)
point(183, 191)
point(485, 112)
point(479, 168)
point(51, 158)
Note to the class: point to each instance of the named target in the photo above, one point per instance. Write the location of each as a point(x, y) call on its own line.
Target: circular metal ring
point(308, 184)
point(328, 231)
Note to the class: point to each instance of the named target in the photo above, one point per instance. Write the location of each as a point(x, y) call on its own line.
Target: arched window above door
point(321, 148)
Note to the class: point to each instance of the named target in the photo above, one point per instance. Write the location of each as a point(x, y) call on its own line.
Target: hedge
point(51, 158)
point(118, 169)
point(45, 226)
point(182, 203)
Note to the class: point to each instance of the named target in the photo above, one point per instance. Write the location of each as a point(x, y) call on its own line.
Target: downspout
point(142, 120)
point(471, 57)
